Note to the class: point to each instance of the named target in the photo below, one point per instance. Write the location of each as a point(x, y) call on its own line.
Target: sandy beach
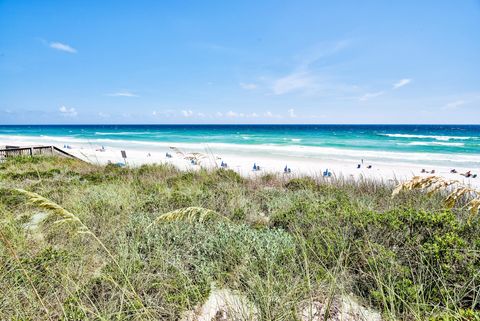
point(242, 160)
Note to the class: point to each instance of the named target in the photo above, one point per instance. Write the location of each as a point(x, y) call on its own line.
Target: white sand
point(242, 160)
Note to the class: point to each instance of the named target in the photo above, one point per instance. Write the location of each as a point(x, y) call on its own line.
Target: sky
point(164, 62)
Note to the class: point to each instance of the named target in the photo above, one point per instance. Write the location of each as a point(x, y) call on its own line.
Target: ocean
point(447, 145)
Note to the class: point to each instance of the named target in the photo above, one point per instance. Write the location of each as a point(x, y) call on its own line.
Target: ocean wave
point(435, 144)
point(442, 138)
point(456, 159)
point(120, 133)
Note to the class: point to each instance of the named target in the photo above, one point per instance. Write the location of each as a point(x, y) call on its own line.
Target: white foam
point(435, 144)
point(120, 133)
point(444, 138)
point(261, 149)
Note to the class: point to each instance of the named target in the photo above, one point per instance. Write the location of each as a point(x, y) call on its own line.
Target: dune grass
point(154, 239)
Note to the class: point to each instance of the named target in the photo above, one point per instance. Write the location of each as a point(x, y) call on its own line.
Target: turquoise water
point(442, 144)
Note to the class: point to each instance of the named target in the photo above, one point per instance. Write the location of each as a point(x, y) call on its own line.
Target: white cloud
point(454, 105)
point(291, 113)
point(62, 47)
point(164, 113)
point(368, 96)
point(252, 115)
point(125, 93)
point(68, 112)
point(401, 83)
point(187, 113)
point(269, 114)
point(293, 82)
point(248, 86)
point(232, 114)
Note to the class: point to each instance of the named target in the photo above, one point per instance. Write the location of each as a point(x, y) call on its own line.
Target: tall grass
point(153, 240)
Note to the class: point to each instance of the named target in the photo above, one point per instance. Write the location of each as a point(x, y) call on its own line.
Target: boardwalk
point(10, 151)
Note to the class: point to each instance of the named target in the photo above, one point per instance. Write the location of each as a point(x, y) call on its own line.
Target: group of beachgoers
point(288, 170)
point(359, 165)
point(467, 174)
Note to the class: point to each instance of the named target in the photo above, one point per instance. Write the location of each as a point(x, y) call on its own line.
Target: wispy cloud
point(304, 77)
point(291, 113)
point(62, 47)
point(124, 93)
point(217, 48)
point(454, 105)
point(68, 112)
point(368, 96)
point(293, 82)
point(320, 51)
point(248, 86)
point(401, 83)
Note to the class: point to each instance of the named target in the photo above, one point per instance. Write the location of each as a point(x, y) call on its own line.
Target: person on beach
point(255, 166)
point(467, 174)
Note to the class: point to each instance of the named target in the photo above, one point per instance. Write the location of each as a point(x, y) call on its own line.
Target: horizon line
point(246, 124)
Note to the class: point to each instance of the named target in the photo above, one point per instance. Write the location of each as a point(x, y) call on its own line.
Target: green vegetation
point(105, 252)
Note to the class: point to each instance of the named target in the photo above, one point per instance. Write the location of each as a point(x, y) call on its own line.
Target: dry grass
point(188, 214)
point(456, 191)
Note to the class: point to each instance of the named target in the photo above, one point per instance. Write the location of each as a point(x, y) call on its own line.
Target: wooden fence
point(11, 151)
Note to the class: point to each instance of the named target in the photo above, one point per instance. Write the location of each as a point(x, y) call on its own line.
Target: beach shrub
point(300, 183)
point(278, 242)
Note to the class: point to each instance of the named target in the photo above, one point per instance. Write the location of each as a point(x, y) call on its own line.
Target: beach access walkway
point(10, 151)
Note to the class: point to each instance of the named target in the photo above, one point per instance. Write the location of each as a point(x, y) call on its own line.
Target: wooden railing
point(12, 151)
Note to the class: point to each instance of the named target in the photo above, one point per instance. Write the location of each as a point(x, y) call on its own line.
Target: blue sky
point(239, 62)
